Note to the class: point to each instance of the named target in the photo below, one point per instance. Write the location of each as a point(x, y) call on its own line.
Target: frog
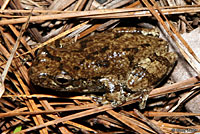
point(120, 64)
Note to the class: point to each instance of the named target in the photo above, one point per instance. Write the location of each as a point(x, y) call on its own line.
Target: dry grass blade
point(3, 76)
point(73, 108)
point(175, 87)
point(80, 126)
point(107, 13)
point(30, 103)
point(53, 39)
point(188, 8)
point(181, 39)
point(57, 37)
point(49, 96)
point(70, 117)
point(182, 99)
point(128, 122)
point(101, 26)
point(156, 128)
point(169, 114)
point(5, 4)
point(23, 41)
point(169, 128)
point(170, 33)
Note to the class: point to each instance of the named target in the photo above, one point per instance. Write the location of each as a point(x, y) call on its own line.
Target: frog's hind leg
point(172, 58)
point(142, 95)
point(148, 73)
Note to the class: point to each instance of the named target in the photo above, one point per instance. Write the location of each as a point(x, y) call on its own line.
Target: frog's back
point(102, 54)
point(108, 53)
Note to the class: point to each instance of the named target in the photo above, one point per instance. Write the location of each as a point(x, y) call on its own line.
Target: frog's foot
point(99, 99)
point(144, 100)
point(117, 98)
point(143, 96)
point(140, 95)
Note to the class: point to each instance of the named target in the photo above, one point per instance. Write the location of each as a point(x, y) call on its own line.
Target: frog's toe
point(116, 103)
point(99, 99)
point(142, 104)
point(144, 98)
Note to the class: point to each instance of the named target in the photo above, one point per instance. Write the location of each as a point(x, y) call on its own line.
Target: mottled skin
point(120, 63)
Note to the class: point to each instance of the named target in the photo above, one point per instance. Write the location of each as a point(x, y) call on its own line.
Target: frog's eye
point(63, 79)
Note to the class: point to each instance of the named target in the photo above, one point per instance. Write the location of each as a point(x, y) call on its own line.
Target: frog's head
point(47, 71)
point(51, 78)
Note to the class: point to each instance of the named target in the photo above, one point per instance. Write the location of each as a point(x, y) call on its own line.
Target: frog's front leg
point(144, 95)
point(115, 94)
point(116, 98)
